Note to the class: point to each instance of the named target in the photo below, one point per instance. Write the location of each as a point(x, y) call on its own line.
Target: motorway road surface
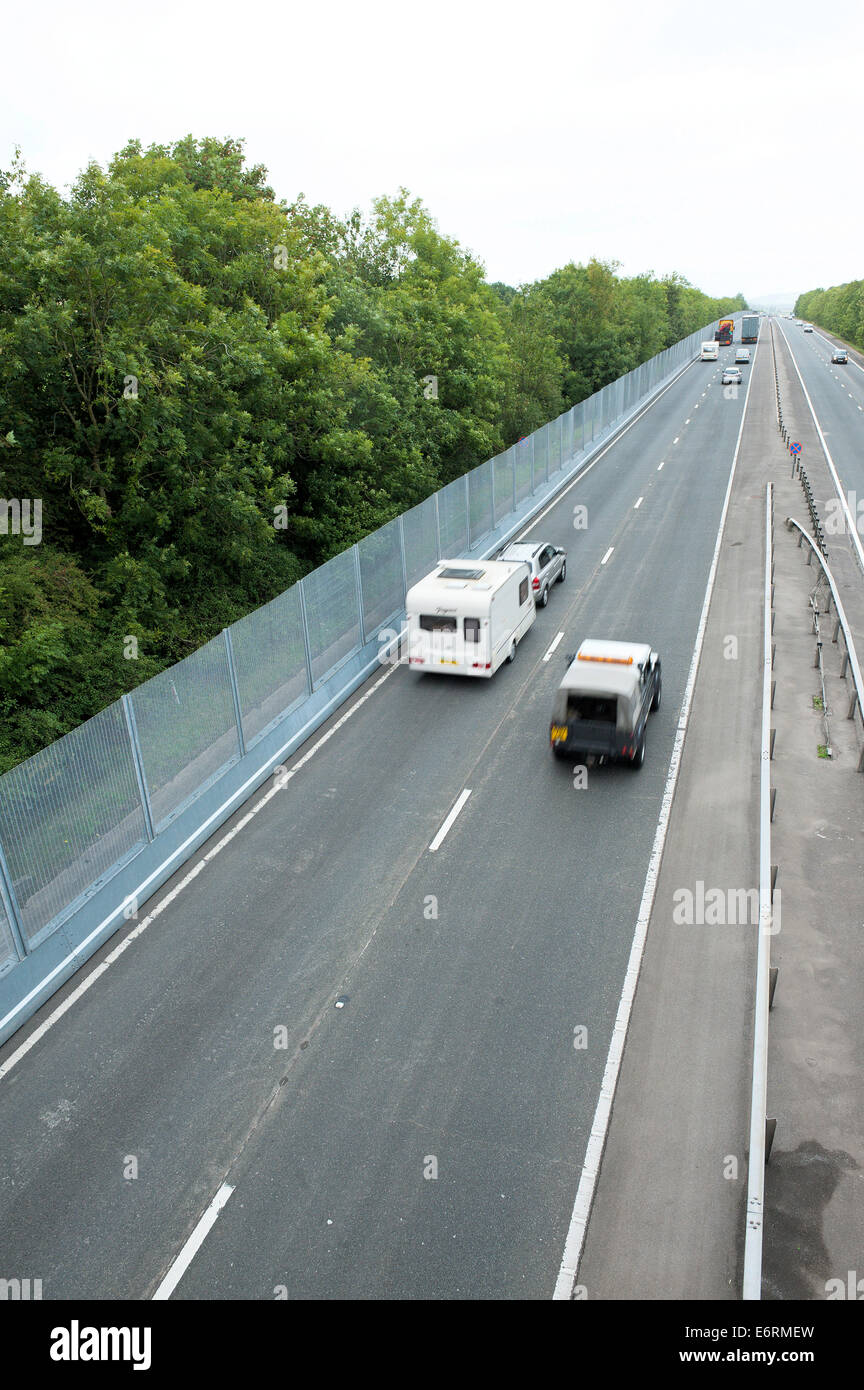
point(466, 970)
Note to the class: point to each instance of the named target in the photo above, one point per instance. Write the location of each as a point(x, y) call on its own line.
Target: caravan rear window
point(591, 708)
point(523, 592)
point(436, 622)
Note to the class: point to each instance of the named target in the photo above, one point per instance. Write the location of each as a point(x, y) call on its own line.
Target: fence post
point(140, 775)
point(307, 646)
point(10, 902)
point(235, 692)
point(401, 520)
point(359, 578)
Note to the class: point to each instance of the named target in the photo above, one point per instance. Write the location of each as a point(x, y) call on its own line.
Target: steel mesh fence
point(270, 663)
point(68, 815)
point(381, 579)
point(332, 613)
point(186, 728)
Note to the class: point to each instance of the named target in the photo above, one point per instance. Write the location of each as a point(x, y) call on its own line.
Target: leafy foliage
point(213, 392)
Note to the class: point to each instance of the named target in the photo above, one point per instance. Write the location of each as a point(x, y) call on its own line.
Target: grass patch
point(817, 702)
point(822, 750)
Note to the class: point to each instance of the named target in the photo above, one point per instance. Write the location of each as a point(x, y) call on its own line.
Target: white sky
point(718, 138)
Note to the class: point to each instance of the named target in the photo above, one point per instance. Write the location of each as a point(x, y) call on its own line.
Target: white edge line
point(553, 645)
point(463, 797)
point(575, 1241)
point(193, 1245)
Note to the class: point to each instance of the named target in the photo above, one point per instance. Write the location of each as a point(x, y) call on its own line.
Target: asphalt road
point(455, 1043)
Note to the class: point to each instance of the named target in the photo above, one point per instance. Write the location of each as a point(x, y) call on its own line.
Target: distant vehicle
point(547, 563)
point(731, 376)
point(466, 618)
point(602, 705)
point(750, 328)
point(725, 332)
point(839, 355)
point(742, 355)
point(710, 352)
point(808, 328)
point(799, 323)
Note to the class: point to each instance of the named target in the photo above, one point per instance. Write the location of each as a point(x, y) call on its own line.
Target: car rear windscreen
point(591, 709)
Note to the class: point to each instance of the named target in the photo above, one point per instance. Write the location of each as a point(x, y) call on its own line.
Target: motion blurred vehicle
point(742, 355)
point(602, 705)
point(808, 328)
point(547, 563)
point(732, 376)
point(839, 355)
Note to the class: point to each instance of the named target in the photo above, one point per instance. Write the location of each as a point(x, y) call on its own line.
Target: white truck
point(710, 352)
point(467, 616)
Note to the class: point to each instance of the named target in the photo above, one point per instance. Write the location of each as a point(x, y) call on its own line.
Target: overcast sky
point(716, 139)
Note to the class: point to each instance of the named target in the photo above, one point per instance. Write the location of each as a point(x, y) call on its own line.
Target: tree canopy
point(212, 392)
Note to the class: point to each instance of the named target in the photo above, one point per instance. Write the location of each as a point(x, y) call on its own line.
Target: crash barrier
point(92, 825)
point(761, 1128)
point(850, 665)
point(793, 448)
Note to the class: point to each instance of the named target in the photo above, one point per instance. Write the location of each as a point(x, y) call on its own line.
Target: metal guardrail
point(797, 465)
point(762, 1129)
point(841, 624)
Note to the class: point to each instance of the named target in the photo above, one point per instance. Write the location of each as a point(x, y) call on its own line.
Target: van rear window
point(436, 622)
point(592, 709)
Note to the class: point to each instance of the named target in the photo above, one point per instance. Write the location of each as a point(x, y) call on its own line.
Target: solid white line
point(553, 646)
point(463, 797)
point(638, 503)
point(193, 1244)
point(608, 553)
point(569, 1270)
point(141, 891)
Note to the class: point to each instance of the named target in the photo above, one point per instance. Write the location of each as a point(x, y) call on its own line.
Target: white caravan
point(710, 352)
point(467, 616)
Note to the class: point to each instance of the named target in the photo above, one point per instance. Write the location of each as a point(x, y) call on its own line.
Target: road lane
point(170, 1059)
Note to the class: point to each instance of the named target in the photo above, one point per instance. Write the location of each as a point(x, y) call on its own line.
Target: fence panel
point(524, 461)
point(504, 466)
point(420, 530)
point(186, 728)
point(332, 613)
point(69, 816)
point(556, 453)
point(480, 502)
point(270, 661)
point(453, 518)
point(380, 576)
